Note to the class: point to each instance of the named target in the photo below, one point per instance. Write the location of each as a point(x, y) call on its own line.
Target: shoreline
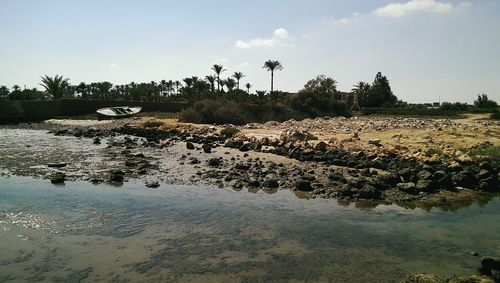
point(352, 168)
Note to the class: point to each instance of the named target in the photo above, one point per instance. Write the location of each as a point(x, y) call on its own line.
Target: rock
point(489, 265)
point(194, 160)
point(214, 162)
point(374, 142)
point(321, 146)
point(304, 185)
point(57, 178)
point(407, 187)
point(254, 184)
point(422, 278)
point(190, 146)
point(464, 178)
point(424, 175)
point(233, 144)
point(424, 186)
point(483, 174)
point(152, 185)
point(271, 184)
point(97, 140)
point(241, 166)
point(117, 176)
point(464, 158)
point(245, 147)
point(207, 148)
point(56, 165)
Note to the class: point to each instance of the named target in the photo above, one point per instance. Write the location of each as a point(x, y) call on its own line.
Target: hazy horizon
point(430, 50)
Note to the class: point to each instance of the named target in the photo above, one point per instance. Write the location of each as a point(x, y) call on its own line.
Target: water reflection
point(180, 233)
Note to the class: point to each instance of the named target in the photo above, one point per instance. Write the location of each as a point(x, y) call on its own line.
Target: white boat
point(117, 112)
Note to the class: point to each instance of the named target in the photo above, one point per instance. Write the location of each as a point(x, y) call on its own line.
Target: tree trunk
point(272, 81)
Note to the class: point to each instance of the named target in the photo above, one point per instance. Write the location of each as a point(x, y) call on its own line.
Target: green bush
point(217, 112)
point(495, 116)
point(316, 105)
point(229, 132)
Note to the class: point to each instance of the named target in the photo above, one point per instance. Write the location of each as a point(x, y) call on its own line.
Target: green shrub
point(229, 132)
point(217, 112)
point(316, 105)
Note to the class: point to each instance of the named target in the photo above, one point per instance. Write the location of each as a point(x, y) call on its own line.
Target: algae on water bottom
point(179, 233)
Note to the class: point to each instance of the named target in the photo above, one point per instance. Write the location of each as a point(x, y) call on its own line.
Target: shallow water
point(177, 233)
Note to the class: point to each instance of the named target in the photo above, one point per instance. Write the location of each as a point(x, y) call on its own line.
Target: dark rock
point(233, 144)
point(190, 145)
point(336, 177)
point(241, 166)
point(56, 165)
point(271, 184)
point(194, 160)
point(152, 185)
point(304, 185)
point(321, 146)
point(489, 265)
point(117, 176)
point(369, 192)
point(464, 178)
point(245, 147)
point(57, 178)
point(483, 174)
point(207, 148)
point(254, 184)
point(424, 186)
point(97, 140)
point(407, 187)
point(424, 175)
point(214, 162)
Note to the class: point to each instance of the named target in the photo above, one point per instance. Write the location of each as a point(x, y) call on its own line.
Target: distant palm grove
point(318, 97)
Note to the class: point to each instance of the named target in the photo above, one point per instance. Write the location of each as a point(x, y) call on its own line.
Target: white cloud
point(396, 10)
point(280, 38)
point(110, 65)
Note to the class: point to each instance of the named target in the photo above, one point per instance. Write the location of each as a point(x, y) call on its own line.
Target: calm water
point(104, 233)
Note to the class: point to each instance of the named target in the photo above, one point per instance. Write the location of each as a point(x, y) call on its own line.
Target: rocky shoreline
point(295, 160)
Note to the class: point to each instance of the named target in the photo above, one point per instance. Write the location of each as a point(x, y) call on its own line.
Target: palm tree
point(55, 86)
point(177, 85)
point(261, 94)
point(238, 76)
point(211, 80)
point(230, 84)
point(248, 86)
point(272, 66)
point(361, 92)
point(218, 69)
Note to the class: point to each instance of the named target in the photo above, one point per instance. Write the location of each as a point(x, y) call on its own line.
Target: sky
point(430, 50)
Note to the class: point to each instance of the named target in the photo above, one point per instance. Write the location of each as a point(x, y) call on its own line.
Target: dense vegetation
point(217, 99)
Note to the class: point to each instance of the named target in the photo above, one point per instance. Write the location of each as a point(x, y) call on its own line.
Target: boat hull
point(117, 112)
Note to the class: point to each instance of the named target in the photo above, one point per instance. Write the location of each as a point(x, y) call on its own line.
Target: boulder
point(407, 187)
point(117, 176)
point(152, 185)
point(271, 184)
point(97, 140)
point(207, 148)
point(57, 178)
point(321, 146)
point(304, 185)
point(245, 147)
point(233, 144)
point(489, 265)
point(424, 186)
point(190, 145)
point(424, 175)
point(214, 162)
point(241, 166)
point(375, 142)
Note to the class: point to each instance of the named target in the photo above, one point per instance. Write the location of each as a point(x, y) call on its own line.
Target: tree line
point(319, 95)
